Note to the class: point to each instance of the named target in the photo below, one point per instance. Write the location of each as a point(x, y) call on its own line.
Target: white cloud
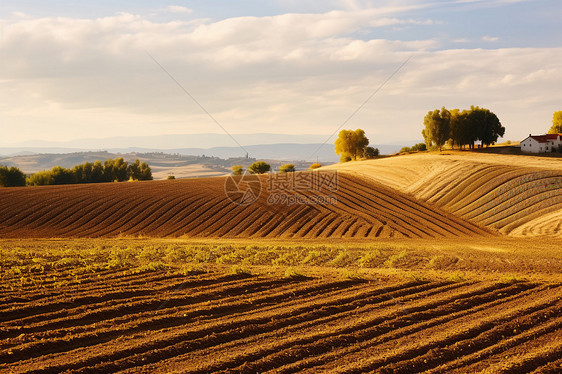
point(179, 9)
point(294, 73)
point(491, 39)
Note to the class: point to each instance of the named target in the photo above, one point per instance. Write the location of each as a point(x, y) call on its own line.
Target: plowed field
point(161, 322)
point(200, 208)
point(516, 195)
point(406, 267)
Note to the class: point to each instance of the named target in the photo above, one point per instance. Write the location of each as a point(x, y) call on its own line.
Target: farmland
point(426, 263)
point(109, 305)
point(200, 208)
point(514, 195)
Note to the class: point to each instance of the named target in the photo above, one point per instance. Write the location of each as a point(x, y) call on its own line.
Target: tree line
point(111, 170)
point(262, 167)
point(461, 128)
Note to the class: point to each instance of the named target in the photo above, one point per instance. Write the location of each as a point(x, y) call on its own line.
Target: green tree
point(11, 177)
point(288, 168)
point(462, 131)
point(351, 143)
point(437, 128)
point(420, 147)
point(62, 175)
point(259, 167)
point(133, 170)
point(115, 170)
point(315, 165)
point(556, 123)
point(41, 178)
point(139, 171)
point(97, 173)
point(83, 173)
point(237, 170)
point(485, 124)
point(145, 172)
point(371, 152)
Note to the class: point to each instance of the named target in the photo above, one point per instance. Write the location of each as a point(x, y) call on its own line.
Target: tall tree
point(437, 127)
point(461, 131)
point(351, 143)
point(485, 124)
point(556, 123)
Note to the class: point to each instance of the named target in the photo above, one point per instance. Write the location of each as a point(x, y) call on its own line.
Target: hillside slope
point(516, 195)
point(201, 208)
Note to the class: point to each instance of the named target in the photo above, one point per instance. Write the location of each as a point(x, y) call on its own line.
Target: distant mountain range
point(263, 145)
point(283, 152)
point(175, 141)
point(181, 155)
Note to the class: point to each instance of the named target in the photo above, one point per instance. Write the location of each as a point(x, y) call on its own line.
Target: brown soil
point(159, 322)
point(201, 208)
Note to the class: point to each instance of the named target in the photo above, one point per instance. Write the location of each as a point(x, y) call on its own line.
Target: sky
point(95, 69)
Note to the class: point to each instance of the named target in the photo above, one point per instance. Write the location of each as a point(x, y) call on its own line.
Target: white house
point(542, 143)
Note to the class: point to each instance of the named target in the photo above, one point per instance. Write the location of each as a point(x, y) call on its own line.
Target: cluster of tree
point(112, 170)
point(353, 145)
point(420, 147)
point(258, 167)
point(261, 167)
point(11, 177)
point(556, 123)
point(461, 128)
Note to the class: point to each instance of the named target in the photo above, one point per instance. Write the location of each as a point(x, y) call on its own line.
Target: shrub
point(237, 170)
point(420, 147)
point(371, 153)
point(315, 165)
point(259, 167)
point(171, 177)
point(288, 168)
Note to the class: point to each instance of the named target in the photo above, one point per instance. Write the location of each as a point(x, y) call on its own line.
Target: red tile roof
point(545, 138)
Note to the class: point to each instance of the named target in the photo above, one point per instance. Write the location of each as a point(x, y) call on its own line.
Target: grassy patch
point(36, 262)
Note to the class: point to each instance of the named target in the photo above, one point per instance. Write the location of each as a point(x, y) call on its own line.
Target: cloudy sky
point(82, 69)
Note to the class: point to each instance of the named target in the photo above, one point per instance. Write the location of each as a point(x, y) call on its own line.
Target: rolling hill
point(415, 196)
point(515, 195)
point(358, 208)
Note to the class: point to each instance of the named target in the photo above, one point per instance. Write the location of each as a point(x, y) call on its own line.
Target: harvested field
point(201, 208)
point(119, 321)
point(516, 195)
